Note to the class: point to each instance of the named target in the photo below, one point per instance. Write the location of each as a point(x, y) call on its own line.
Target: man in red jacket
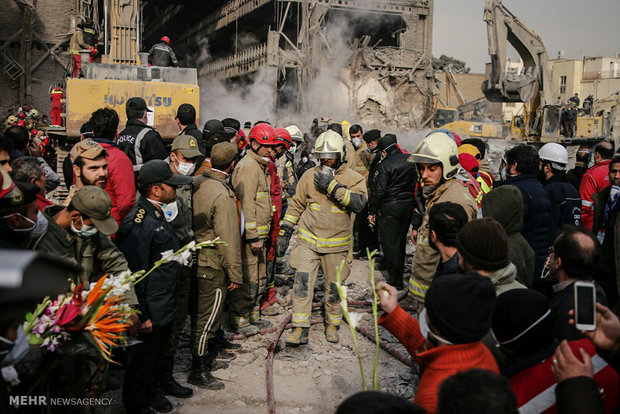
point(523, 327)
point(594, 180)
point(120, 184)
point(446, 339)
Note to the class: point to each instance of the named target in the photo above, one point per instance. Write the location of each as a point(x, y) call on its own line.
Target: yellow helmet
point(438, 148)
point(470, 149)
point(329, 145)
point(11, 120)
point(34, 114)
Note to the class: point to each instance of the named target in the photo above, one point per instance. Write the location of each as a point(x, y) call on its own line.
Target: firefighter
point(56, 97)
point(437, 162)
point(161, 54)
point(251, 184)
point(78, 43)
point(322, 209)
point(219, 269)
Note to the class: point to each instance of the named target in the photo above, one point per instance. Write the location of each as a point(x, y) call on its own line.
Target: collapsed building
point(366, 59)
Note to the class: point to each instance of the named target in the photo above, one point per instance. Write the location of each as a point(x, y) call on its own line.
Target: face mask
point(184, 168)
point(85, 231)
point(327, 170)
point(615, 190)
point(31, 228)
point(293, 149)
point(17, 349)
point(304, 160)
point(40, 227)
point(170, 210)
point(356, 142)
point(426, 331)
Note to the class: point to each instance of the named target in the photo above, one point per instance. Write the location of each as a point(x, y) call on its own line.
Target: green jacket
point(505, 204)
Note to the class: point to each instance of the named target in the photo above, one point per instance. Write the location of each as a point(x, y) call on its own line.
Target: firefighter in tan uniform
point(251, 184)
point(436, 158)
point(322, 209)
point(219, 269)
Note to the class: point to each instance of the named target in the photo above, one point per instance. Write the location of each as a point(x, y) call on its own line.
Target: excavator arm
point(532, 82)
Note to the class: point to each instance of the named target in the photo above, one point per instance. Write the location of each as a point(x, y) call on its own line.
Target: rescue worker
point(297, 136)
point(161, 54)
point(565, 199)
point(361, 166)
point(143, 236)
point(336, 127)
point(391, 203)
point(436, 159)
point(322, 209)
point(182, 161)
point(138, 140)
point(569, 120)
point(78, 43)
point(251, 184)
point(594, 180)
point(477, 148)
point(56, 96)
point(219, 268)
point(587, 105)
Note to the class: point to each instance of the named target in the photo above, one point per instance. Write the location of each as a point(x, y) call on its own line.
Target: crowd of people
point(496, 255)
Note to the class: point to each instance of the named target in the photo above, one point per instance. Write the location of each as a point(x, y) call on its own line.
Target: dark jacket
point(536, 216)
point(565, 203)
point(394, 181)
point(143, 236)
point(151, 146)
point(161, 54)
point(302, 167)
point(192, 130)
point(505, 204)
point(574, 176)
point(578, 395)
point(610, 246)
point(561, 303)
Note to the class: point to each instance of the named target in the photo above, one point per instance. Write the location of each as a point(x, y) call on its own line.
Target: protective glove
point(322, 180)
point(283, 240)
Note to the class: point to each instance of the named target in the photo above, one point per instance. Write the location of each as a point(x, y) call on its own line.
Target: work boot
point(159, 402)
point(223, 343)
point(169, 386)
point(248, 330)
point(220, 352)
point(331, 333)
point(271, 310)
point(261, 323)
point(200, 375)
point(298, 337)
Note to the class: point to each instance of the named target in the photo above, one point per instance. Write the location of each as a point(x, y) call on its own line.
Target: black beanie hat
point(372, 135)
point(483, 244)
point(386, 141)
point(460, 306)
point(523, 321)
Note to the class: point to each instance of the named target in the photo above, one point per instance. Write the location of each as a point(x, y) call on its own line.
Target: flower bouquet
point(98, 314)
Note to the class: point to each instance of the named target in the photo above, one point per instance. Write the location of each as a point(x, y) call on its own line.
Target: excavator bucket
point(515, 88)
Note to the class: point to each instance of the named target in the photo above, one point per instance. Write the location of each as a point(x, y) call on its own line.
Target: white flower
point(168, 255)
point(343, 295)
point(355, 318)
point(191, 245)
point(183, 257)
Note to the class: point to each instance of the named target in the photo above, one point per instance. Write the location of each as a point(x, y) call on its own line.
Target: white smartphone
point(585, 305)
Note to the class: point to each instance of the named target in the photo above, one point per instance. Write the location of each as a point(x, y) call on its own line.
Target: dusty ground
point(313, 378)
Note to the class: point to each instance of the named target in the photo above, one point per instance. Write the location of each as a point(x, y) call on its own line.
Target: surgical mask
point(184, 168)
point(293, 149)
point(613, 194)
point(34, 223)
point(170, 210)
point(356, 142)
point(304, 160)
point(503, 174)
point(426, 331)
point(40, 226)
point(85, 231)
point(17, 349)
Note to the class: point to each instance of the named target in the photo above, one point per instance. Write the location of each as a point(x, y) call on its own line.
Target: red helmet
point(263, 134)
point(284, 137)
point(21, 115)
point(21, 123)
point(165, 39)
point(34, 132)
point(242, 142)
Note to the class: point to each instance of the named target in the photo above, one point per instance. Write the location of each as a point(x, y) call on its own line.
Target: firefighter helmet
point(284, 137)
point(11, 120)
point(438, 148)
point(264, 134)
point(295, 132)
point(34, 114)
point(555, 153)
point(165, 39)
point(329, 145)
point(470, 149)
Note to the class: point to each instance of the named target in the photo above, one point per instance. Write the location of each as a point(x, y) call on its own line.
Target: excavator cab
point(444, 116)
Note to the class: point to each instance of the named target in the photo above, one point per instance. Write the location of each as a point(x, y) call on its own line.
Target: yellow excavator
point(124, 73)
point(540, 120)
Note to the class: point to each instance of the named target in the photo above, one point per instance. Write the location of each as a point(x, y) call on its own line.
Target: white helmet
point(438, 148)
point(556, 154)
point(295, 132)
point(329, 145)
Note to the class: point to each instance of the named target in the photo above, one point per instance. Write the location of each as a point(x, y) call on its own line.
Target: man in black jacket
point(565, 199)
point(391, 205)
point(138, 140)
point(161, 54)
point(522, 165)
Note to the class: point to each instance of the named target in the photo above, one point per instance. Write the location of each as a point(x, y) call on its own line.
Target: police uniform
point(143, 236)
